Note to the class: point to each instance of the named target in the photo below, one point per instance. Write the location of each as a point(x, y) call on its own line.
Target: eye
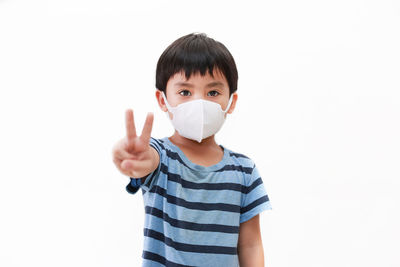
point(184, 93)
point(213, 93)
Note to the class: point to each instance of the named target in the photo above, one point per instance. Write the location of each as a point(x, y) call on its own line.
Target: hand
point(133, 154)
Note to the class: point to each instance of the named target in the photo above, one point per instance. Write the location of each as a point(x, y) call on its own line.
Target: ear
point(233, 104)
point(160, 100)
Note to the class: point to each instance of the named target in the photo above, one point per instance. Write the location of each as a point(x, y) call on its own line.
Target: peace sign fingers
point(133, 155)
point(135, 144)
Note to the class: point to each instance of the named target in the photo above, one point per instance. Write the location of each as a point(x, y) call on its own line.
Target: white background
point(318, 111)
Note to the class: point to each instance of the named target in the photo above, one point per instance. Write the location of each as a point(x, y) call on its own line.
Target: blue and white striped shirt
point(192, 212)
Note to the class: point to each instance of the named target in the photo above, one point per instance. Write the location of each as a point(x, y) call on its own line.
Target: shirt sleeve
point(150, 179)
point(255, 198)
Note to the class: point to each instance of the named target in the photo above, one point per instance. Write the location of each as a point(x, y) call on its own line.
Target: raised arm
point(133, 154)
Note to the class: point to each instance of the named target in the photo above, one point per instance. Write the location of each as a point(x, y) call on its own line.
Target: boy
point(202, 201)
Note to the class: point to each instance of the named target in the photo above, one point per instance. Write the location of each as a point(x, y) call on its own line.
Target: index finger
point(148, 125)
point(130, 124)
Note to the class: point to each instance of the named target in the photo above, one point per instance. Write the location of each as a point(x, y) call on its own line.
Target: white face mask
point(197, 119)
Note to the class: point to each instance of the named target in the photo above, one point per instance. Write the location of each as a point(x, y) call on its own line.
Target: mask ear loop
point(229, 104)
point(166, 102)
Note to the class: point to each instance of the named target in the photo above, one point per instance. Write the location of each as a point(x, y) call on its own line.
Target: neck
point(179, 140)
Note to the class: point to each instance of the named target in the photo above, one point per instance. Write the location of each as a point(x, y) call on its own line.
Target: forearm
point(155, 160)
point(251, 256)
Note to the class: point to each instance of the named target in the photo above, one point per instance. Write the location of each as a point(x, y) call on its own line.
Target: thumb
point(127, 165)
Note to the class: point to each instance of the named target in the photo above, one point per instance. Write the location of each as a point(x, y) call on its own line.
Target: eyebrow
point(212, 84)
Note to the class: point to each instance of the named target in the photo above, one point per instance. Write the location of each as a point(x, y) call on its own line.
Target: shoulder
point(161, 145)
point(242, 160)
point(168, 152)
point(157, 143)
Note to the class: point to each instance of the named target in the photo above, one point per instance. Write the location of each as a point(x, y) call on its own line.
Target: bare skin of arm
point(250, 247)
point(133, 155)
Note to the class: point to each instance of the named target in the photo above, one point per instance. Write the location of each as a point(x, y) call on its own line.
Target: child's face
point(180, 90)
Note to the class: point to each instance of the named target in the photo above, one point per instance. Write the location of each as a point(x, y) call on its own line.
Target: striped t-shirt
point(193, 212)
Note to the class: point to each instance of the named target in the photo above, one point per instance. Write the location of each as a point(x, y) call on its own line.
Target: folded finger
point(122, 154)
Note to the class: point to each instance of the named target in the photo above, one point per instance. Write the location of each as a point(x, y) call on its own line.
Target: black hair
point(193, 53)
